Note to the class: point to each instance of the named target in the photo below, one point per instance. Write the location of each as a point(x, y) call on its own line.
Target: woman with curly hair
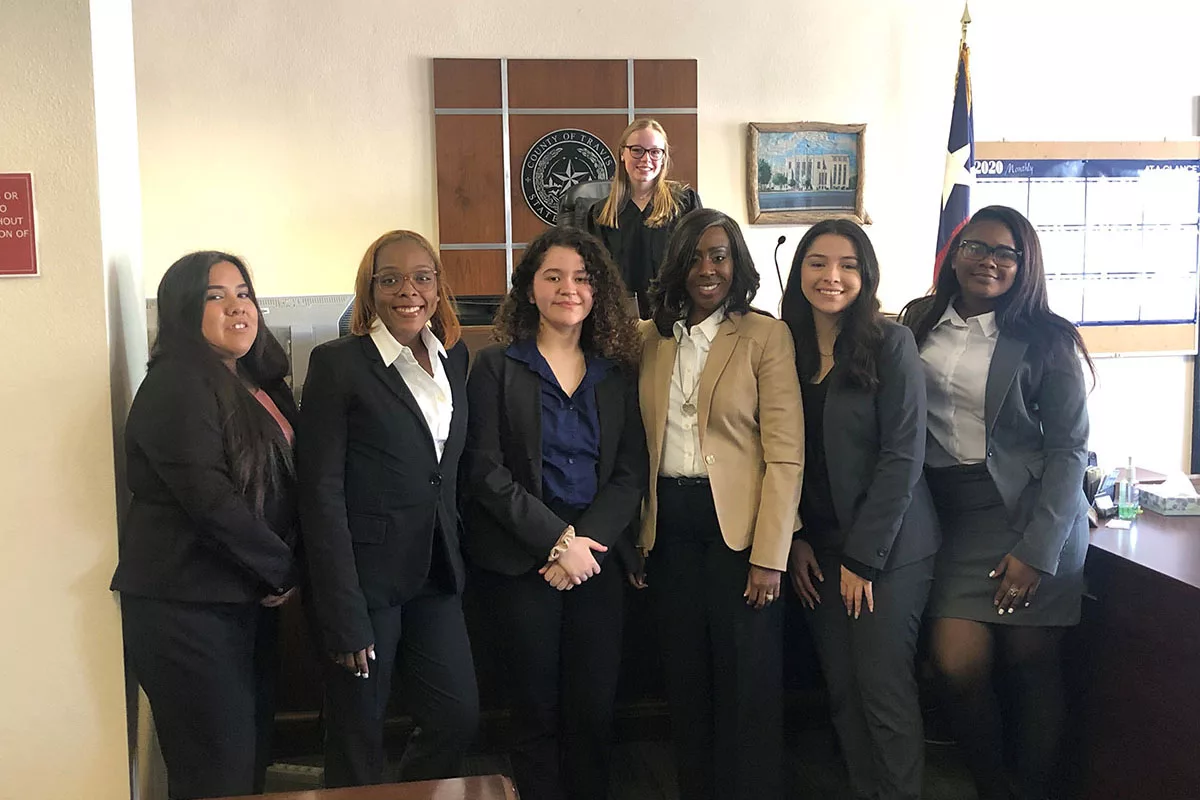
point(555, 471)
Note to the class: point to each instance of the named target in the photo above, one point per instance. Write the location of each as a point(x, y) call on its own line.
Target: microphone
point(778, 273)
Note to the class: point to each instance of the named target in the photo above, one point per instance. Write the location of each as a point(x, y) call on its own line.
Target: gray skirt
point(975, 536)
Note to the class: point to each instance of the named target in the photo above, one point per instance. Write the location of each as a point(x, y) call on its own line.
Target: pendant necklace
point(689, 407)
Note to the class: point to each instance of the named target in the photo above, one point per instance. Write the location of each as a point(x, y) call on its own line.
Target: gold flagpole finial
point(966, 20)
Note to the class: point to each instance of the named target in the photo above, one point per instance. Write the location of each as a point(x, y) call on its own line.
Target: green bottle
point(1128, 503)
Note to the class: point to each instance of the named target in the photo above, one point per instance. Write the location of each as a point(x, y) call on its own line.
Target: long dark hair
point(1023, 312)
point(254, 446)
point(860, 332)
point(609, 329)
point(669, 298)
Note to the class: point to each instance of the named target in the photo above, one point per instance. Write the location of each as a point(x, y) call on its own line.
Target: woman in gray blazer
point(863, 562)
point(1005, 458)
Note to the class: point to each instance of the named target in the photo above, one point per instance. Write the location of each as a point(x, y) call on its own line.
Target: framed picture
point(801, 172)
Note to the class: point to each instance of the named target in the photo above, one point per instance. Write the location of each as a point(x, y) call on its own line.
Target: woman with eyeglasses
point(554, 473)
point(721, 406)
point(642, 208)
point(1005, 456)
point(383, 422)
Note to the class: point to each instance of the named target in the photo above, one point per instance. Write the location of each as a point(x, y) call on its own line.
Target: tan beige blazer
point(751, 431)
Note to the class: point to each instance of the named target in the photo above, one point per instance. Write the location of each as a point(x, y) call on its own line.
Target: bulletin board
point(512, 134)
point(1119, 224)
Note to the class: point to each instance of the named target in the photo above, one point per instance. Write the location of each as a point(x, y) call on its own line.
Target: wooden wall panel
point(470, 169)
point(664, 84)
point(524, 130)
point(567, 84)
point(474, 272)
point(466, 83)
point(470, 174)
point(681, 133)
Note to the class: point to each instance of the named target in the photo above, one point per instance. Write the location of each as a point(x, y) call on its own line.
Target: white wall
point(295, 133)
point(62, 729)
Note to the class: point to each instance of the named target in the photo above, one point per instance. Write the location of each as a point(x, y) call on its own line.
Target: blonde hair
point(664, 203)
point(444, 321)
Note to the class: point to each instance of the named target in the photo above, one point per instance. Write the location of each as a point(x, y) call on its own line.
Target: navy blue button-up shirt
point(570, 428)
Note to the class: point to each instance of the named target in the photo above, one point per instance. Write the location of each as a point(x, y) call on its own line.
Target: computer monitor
point(300, 323)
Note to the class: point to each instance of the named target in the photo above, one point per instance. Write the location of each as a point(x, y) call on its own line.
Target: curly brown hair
point(609, 331)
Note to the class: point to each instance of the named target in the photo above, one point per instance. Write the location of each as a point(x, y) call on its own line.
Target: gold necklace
point(689, 408)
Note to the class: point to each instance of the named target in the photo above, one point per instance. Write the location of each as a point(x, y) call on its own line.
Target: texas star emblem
point(559, 160)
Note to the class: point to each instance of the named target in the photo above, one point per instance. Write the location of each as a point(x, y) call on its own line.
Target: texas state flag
point(960, 162)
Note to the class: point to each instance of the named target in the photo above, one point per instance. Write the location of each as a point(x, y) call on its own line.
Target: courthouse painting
point(804, 172)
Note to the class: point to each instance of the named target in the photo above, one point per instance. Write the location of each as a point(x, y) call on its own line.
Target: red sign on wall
point(18, 245)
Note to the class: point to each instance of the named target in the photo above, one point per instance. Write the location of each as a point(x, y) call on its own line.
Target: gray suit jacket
point(875, 452)
point(1035, 409)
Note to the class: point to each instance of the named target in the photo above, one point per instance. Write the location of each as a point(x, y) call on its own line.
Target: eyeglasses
point(393, 282)
point(1004, 256)
point(637, 151)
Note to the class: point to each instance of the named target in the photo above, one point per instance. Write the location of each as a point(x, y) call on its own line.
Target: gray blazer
point(875, 453)
point(1035, 410)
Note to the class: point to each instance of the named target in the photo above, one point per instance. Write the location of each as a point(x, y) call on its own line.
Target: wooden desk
point(1137, 660)
point(489, 787)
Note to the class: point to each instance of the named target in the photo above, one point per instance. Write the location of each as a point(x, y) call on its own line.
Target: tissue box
point(1167, 505)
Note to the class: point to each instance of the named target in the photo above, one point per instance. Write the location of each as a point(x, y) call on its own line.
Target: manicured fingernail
point(1010, 610)
point(1027, 605)
point(371, 655)
point(992, 574)
point(1002, 612)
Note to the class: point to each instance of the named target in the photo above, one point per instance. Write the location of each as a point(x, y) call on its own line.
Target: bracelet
point(563, 543)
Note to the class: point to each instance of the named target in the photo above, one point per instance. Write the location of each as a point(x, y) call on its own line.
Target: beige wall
point(295, 133)
point(62, 730)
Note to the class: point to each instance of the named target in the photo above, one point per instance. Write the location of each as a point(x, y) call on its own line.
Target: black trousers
point(209, 670)
point(723, 659)
point(426, 640)
point(869, 665)
point(562, 658)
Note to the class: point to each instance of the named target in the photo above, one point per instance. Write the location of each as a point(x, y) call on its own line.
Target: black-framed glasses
point(637, 151)
point(1003, 255)
point(393, 282)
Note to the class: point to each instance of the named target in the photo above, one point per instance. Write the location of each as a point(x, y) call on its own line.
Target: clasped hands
point(571, 561)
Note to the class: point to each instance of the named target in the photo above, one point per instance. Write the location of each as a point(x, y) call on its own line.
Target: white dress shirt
point(432, 392)
point(681, 456)
point(957, 354)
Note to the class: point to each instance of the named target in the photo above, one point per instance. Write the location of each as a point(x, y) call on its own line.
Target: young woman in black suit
point(383, 422)
point(206, 552)
point(642, 208)
point(1005, 457)
point(863, 563)
point(555, 473)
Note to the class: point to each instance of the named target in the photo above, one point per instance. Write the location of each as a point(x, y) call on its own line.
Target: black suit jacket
point(375, 499)
point(190, 534)
point(1035, 413)
point(637, 250)
point(508, 527)
point(875, 453)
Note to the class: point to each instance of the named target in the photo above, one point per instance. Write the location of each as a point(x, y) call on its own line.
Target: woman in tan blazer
point(721, 406)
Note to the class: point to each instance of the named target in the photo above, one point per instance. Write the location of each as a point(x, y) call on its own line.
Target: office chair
point(577, 201)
